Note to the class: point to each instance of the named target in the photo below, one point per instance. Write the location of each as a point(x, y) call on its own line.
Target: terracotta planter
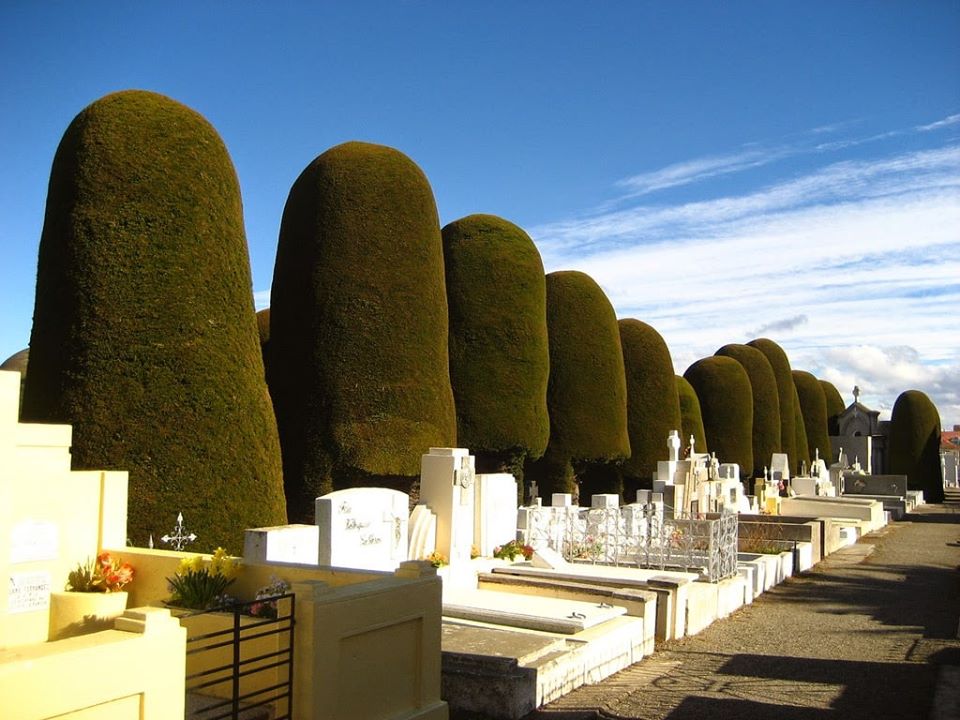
point(80, 613)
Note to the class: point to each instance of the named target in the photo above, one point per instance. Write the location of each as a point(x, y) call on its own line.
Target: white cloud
point(865, 251)
point(261, 299)
point(844, 181)
point(691, 171)
point(780, 326)
point(882, 373)
point(949, 120)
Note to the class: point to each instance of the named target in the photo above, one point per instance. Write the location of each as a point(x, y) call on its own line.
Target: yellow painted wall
point(131, 674)
point(51, 518)
point(366, 645)
point(351, 627)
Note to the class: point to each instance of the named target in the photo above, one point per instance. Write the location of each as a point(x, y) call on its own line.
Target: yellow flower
point(223, 564)
point(192, 564)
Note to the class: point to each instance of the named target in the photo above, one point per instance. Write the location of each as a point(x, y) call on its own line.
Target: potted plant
point(201, 584)
point(92, 598)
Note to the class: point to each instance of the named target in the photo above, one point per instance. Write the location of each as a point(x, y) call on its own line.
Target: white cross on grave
point(179, 538)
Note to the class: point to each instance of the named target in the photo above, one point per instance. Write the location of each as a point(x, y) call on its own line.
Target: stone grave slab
point(525, 611)
point(283, 543)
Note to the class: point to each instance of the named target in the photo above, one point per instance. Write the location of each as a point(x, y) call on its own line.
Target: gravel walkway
point(871, 632)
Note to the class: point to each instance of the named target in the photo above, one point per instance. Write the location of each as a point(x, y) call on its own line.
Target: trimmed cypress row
point(499, 357)
point(358, 326)
point(586, 393)
point(653, 407)
point(766, 404)
point(144, 336)
point(914, 448)
point(786, 394)
point(835, 406)
point(813, 409)
point(691, 417)
point(726, 401)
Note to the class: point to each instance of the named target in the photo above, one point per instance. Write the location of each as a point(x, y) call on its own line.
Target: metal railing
point(243, 668)
point(637, 536)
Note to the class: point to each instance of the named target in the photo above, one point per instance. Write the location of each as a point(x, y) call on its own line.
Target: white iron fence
point(637, 536)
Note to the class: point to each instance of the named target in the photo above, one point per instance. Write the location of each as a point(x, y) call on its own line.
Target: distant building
point(863, 436)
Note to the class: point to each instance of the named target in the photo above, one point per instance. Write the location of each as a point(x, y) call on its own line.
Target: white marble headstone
point(363, 528)
point(447, 476)
point(495, 511)
point(779, 467)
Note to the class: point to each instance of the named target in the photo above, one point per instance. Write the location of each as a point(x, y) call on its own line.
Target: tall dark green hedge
point(813, 409)
point(263, 325)
point(499, 357)
point(144, 336)
point(653, 407)
point(263, 331)
point(835, 406)
point(803, 453)
point(358, 325)
point(787, 397)
point(914, 444)
point(766, 403)
point(691, 417)
point(587, 391)
point(18, 363)
point(726, 401)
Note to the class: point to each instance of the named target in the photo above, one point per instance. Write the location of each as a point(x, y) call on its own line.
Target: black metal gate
point(240, 661)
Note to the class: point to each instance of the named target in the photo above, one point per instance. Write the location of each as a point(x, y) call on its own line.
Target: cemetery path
point(871, 632)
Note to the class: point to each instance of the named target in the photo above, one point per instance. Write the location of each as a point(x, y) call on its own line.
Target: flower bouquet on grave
point(104, 575)
point(437, 559)
point(264, 606)
point(201, 584)
point(513, 550)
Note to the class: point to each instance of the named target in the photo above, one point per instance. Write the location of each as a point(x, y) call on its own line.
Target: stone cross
point(673, 445)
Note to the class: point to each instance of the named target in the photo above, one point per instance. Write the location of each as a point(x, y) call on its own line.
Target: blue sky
point(724, 170)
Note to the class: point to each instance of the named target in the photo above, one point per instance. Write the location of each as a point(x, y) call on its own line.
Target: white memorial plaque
point(33, 540)
point(28, 592)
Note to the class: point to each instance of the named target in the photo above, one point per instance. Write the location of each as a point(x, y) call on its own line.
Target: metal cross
point(179, 538)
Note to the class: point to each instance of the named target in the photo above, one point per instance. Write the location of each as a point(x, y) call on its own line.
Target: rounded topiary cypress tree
point(691, 417)
point(144, 336)
point(835, 406)
point(499, 358)
point(726, 401)
point(263, 325)
point(766, 403)
point(358, 325)
point(914, 448)
point(653, 407)
point(263, 330)
point(803, 454)
point(587, 392)
point(813, 409)
point(786, 395)
point(18, 363)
